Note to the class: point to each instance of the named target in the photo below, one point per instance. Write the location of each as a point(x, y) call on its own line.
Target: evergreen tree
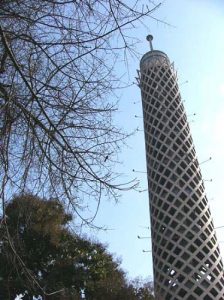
point(40, 256)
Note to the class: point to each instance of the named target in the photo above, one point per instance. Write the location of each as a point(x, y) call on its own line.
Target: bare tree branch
point(57, 63)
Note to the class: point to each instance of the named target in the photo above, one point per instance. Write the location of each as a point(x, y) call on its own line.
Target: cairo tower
point(186, 259)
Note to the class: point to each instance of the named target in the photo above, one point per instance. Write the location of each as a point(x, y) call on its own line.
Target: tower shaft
point(186, 257)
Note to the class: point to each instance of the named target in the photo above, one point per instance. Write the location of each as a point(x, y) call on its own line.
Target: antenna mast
point(149, 38)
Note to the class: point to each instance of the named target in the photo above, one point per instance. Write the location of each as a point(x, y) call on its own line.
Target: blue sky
point(195, 42)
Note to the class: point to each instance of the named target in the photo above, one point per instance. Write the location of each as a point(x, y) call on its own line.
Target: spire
point(150, 38)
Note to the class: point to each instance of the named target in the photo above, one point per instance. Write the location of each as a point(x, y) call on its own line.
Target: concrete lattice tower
point(185, 251)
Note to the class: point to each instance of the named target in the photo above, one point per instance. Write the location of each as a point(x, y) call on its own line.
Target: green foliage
point(40, 256)
point(142, 290)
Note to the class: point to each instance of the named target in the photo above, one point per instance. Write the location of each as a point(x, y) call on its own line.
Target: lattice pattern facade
point(186, 257)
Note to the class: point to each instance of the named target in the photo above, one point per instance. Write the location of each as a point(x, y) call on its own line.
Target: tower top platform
point(153, 55)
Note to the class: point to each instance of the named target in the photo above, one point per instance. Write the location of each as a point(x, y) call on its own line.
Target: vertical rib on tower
point(186, 256)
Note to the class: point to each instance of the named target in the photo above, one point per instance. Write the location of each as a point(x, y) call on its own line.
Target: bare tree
point(57, 61)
